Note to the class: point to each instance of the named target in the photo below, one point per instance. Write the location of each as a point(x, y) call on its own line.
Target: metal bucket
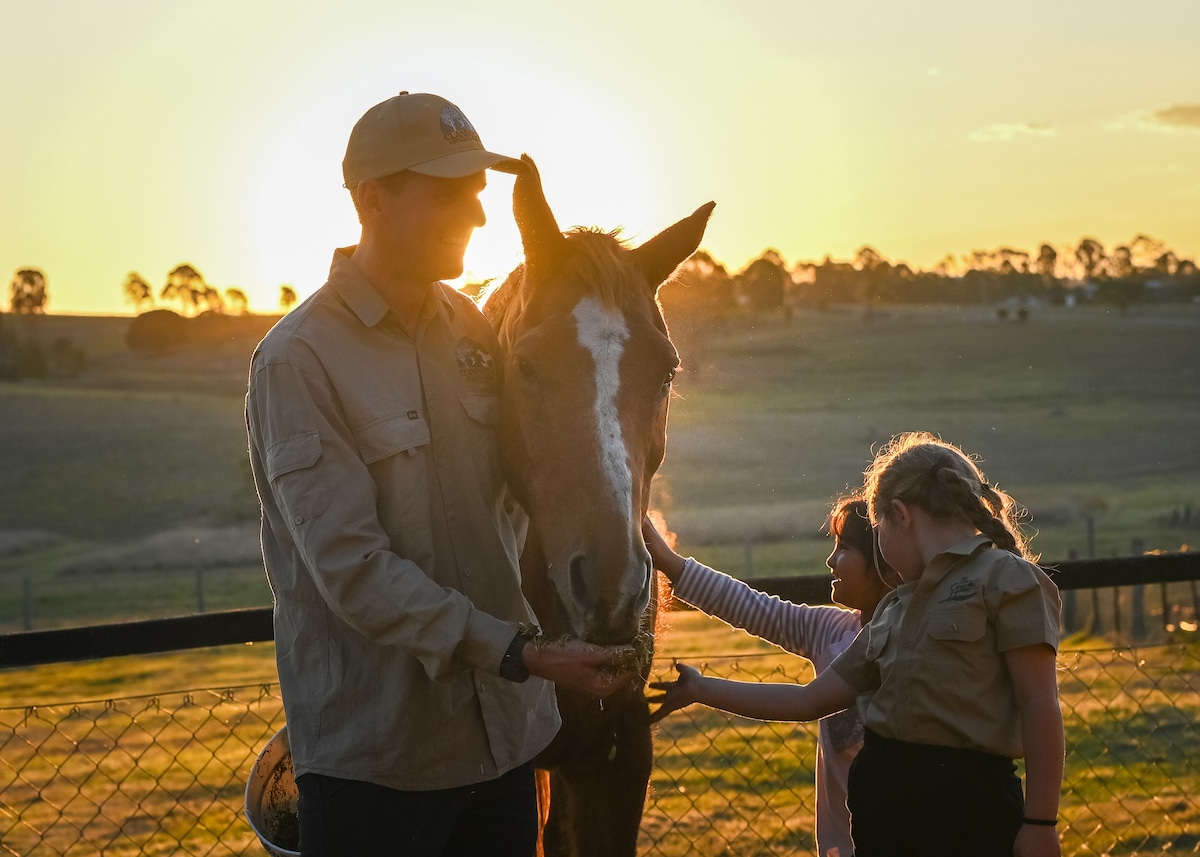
point(271, 796)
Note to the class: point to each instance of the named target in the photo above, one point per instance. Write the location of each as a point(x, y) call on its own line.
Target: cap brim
point(460, 164)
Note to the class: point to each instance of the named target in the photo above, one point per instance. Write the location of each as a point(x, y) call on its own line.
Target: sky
point(137, 135)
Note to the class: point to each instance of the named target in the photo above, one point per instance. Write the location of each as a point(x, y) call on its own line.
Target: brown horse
point(587, 374)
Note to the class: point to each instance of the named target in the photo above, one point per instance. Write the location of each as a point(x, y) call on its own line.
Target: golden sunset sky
point(136, 135)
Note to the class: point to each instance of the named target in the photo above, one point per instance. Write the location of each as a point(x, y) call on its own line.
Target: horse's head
point(587, 367)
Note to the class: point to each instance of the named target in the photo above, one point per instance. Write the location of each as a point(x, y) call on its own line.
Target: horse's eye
point(667, 381)
point(526, 369)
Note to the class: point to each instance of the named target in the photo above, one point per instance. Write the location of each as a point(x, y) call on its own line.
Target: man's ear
point(366, 196)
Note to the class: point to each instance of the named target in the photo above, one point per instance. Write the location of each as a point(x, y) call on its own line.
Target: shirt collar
point(941, 564)
point(363, 298)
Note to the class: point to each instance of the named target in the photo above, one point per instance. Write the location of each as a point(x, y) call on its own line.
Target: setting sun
point(921, 130)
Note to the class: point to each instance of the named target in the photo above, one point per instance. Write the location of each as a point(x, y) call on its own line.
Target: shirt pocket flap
point(482, 409)
point(959, 625)
point(877, 637)
point(390, 435)
point(293, 453)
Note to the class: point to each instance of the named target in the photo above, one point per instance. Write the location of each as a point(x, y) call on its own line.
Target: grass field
point(1080, 414)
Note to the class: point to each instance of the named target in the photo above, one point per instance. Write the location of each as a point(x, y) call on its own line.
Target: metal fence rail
point(166, 774)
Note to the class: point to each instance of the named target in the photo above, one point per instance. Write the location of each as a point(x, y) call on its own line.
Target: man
point(400, 626)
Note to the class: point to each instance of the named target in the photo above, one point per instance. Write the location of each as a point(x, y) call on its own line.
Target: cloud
point(1165, 120)
point(1002, 132)
point(1185, 116)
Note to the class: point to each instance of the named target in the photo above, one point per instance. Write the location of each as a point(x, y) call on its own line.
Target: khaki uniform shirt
point(929, 666)
point(392, 559)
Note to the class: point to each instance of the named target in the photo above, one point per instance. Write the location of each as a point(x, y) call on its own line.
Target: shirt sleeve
point(311, 474)
point(799, 628)
point(1026, 606)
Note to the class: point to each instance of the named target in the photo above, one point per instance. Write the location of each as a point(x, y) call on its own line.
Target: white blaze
point(602, 331)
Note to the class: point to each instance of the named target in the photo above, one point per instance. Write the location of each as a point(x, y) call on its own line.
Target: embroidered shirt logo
point(455, 127)
point(961, 590)
point(473, 361)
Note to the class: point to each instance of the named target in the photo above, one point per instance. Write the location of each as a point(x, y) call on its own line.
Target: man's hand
point(585, 666)
point(676, 694)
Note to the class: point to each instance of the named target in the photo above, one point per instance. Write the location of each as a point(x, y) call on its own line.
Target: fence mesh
point(167, 774)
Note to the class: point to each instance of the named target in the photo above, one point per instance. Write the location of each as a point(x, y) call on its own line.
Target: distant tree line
point(704, 293)
point(187, 287)
point(1142, 270)
point(22, 354)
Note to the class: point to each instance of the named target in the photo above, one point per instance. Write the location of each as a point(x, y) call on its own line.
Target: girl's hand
point(1037, 841)
point(676, 694)
point(664, 559)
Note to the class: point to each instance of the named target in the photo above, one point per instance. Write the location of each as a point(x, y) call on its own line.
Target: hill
point(139, 462)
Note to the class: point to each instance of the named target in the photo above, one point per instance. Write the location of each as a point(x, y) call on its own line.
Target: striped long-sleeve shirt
point(818, 633)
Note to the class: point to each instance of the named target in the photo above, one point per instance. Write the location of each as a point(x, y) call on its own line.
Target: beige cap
point(419, 132)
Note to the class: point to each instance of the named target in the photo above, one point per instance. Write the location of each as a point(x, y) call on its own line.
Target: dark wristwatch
point(511, 665)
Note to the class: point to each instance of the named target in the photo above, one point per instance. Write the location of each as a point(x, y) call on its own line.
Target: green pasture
point(1081, 414)
point(1077, 413)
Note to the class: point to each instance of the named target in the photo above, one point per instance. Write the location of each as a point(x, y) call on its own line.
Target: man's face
point(426, 223)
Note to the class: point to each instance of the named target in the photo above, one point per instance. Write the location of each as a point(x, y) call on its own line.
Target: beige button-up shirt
point(392, 559)
point(929, 666)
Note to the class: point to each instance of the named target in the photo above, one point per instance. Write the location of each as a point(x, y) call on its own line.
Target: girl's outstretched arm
point(1036, 686)
point(828, 693)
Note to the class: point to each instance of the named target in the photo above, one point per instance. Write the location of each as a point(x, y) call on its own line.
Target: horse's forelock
point(601, 262)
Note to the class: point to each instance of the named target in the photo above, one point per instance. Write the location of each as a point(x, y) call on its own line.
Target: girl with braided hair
point(954, 674)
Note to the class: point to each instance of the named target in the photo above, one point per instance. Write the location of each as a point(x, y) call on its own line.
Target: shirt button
point(482, 687)
point(299, 519)
point(466, 572)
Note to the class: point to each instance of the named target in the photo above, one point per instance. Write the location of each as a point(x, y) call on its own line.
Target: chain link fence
point(166, 774)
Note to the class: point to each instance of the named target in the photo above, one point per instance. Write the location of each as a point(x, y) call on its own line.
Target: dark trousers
point(346, 818)
point(918, 800)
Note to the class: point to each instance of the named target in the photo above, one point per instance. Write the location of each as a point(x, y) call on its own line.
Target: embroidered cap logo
point(455, 126)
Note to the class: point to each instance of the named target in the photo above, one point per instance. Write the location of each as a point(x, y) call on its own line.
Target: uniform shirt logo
point(473, 361)
point(455, 126)
point(961, 590)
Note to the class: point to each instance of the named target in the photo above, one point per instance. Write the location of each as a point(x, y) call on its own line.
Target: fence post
point(199, 589)
point(1138, 624)
point(26, 603)
point(1070, 625)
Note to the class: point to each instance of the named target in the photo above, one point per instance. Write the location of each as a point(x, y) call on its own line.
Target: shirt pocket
point(877, 637)
point(959, 644)
point(391, 436)
point(396, 451)
point(291, 465)
point(483, 435)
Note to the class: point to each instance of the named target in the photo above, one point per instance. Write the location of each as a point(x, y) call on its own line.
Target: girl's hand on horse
point(676, 694)
point(664, 559)
point(597, 670)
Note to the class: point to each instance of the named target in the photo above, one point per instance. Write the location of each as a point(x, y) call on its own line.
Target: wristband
point(1040, 822)
point(512, 667)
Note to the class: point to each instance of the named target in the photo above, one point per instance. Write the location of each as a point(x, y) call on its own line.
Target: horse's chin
point(602, 629)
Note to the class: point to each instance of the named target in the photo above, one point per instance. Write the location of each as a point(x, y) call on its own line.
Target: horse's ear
point(661, 255)
point(540, 236)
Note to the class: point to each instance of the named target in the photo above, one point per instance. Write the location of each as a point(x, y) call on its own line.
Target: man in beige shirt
point(400, 626)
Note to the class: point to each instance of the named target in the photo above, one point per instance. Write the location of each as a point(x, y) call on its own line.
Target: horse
point(588, 365)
